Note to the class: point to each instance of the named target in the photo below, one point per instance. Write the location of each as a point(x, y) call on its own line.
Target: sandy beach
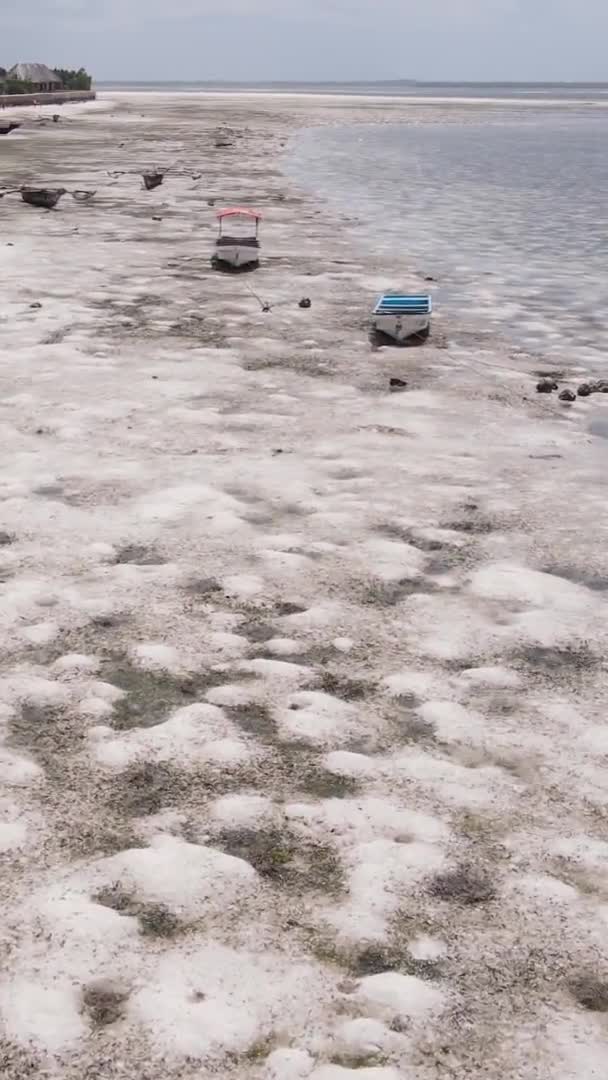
point(303, 682)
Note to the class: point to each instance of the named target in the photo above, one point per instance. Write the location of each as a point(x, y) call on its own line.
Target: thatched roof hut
point(39, 75)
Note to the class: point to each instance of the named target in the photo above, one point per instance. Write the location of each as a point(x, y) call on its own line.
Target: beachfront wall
point(56, 98)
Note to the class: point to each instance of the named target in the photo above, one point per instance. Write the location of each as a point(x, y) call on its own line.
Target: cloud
point(312, 39)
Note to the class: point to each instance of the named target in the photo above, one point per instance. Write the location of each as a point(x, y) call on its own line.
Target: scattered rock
point(600, 387)
point(430, 278)
point(546, 386)
point(156, 218)
point(567, 395)
point(397, 384)
point(591, 992)
point(305, 302)
point(584, 390)
point(6, 539)
point(36, 304)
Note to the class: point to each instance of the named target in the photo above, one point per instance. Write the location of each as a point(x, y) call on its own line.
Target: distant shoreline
point(62, 97)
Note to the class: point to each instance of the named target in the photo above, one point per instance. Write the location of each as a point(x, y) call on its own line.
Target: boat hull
point(237, 254)
point(402, 327)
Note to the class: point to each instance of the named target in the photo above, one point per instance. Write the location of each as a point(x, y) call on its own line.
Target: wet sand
point(303, 682)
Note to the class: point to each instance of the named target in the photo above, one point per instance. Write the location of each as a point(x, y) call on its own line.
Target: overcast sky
point(312, 39)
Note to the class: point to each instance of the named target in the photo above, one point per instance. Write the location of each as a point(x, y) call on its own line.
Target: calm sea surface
point(507, 208)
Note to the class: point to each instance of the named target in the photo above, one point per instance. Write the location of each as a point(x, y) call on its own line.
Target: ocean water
point(401, 88)
point(507, 208)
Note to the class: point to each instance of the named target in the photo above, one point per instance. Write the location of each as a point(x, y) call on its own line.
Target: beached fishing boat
point(241, 245)
point(401, 316)
point(153, 180)
point(12, 125)
point(46, 198)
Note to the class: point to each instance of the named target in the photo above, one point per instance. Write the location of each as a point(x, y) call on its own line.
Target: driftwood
point(153, 180)
point(46, 198)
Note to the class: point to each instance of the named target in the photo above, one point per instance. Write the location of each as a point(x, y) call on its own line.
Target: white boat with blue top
point(401, 315)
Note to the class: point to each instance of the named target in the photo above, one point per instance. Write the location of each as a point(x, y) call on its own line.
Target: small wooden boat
point(241, 246)
point(46, 198)
point(153, 180)
point(12, 125)
point(401, 316)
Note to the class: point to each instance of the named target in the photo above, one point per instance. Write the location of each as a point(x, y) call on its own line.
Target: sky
point(343, 40)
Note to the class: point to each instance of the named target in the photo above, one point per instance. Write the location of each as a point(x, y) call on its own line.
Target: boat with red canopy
point(238, 242)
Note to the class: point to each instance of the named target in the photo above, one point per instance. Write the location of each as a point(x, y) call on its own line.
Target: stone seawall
point(59, 98)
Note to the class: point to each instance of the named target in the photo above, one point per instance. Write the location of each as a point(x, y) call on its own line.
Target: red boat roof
point(238, 211)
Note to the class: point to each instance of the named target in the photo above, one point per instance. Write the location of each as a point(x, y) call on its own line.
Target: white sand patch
point(277, 670)
point(315, 617)
point(343, 644)
point(45, 1015)
point(40, 633)
point(74, 664)
point(105, 691)
point(242, 585)
point(17, 771)
point(366, 1037)
point(228, 644)
point(95, 708)
point(345, 763)
point(211, 1000)
point(391, 561)
point(381, 873)
point(232, 694)
point(285, 646)
point(175, 502)
point(493, 677)
point(420, 683)
point(452, 722)
point(193, 735)
point(154, 656)
point(586, 850)
point(192, 881)
point(28, 689)
point(427, 949)
point(12, 835)
point(318, 718)
point(544, 889)
point(405, 996)
point(341, 1072)
point(503, 581)
point(238, 811)
point(457, 784)
point(366, 819)
point(288, 1064)
point(386, 851)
